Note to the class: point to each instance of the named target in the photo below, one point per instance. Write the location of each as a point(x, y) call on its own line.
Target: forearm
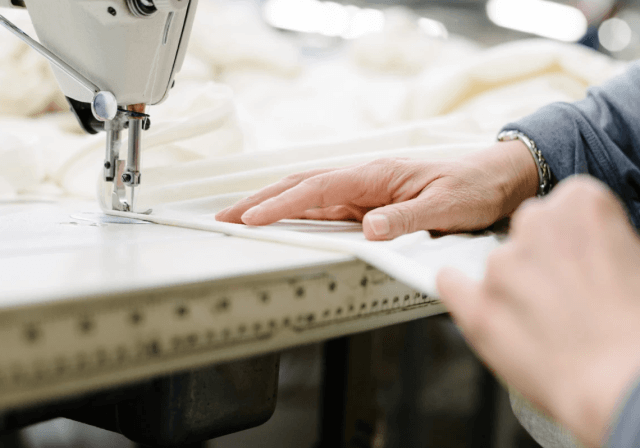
point(599, 136)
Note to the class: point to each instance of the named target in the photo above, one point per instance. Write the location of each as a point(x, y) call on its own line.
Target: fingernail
point(250, 213)
point(379, 224)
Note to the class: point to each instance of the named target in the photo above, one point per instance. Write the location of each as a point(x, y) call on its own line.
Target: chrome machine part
point(142, 8)
point(146, 8)
point(117, 171)
point(113, 166)
point(104, 106)
point(131, 176)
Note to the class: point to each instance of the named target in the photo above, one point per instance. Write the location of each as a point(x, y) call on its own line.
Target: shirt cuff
point(625, 429)
point(558, 137)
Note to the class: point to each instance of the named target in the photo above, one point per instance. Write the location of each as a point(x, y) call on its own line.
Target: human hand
point(557, 312)
point(397, 196)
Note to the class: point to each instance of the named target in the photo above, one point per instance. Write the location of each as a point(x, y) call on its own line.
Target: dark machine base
point(179, 410)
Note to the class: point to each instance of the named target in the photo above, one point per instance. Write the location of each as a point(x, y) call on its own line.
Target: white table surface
point(52, 251)
point(88, 301)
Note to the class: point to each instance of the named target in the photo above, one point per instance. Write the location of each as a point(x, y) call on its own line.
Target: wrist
point(525, 172)
point(591, 408)
point(516, 174)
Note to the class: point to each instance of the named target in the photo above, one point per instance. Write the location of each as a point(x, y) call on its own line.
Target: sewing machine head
point(112, 58)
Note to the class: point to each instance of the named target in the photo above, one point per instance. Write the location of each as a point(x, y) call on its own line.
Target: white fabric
point(26, 80)
point(267, 95)
point(411, 259)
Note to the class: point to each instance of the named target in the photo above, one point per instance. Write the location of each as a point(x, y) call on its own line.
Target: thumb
point(394, 220)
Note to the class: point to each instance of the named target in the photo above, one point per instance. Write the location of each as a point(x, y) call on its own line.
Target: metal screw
point(126, 177)
point(111, 10)
point(146, 124)
point(107, 165)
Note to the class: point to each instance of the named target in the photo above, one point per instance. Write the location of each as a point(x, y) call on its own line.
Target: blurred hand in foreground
point(557, 312)
point(397, 196)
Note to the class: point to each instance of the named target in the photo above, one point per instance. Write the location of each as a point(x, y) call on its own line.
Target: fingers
point(487, 324)
point(334, 213)
point(366, 186)
point(235, 212)
point(463, 298)
point(334, 188)
point(579, 209)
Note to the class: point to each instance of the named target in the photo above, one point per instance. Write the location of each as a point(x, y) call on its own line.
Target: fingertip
point(248, 216)
point(456, 289)
point(254, 217)
point(220, 215)
point(446, 281)
point(376, 227)
point(229, 214)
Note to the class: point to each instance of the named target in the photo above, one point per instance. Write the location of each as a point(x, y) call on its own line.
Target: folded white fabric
point(412, 259)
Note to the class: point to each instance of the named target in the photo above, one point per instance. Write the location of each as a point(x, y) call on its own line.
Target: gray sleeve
point(625, 432)
point(599, 135)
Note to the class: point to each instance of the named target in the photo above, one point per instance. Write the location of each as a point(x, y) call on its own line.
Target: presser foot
point(119, 173)
point(119, 200)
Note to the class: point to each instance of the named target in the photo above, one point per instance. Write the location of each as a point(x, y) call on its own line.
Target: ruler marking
point(42, 350)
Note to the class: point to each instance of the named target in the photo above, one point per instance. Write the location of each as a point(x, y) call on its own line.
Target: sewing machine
point(168, 336)
point(112, 58)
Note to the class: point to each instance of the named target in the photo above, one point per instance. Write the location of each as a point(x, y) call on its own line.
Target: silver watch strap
point(544, 172)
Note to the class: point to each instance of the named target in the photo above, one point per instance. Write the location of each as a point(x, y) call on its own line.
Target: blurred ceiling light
point(433, 28)
point(336, 19)
point(326, 18)
point(365, 21)
point(614, 34)
point(541, 17)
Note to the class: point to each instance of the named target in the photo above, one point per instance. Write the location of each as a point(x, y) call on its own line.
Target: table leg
point(348, 404)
